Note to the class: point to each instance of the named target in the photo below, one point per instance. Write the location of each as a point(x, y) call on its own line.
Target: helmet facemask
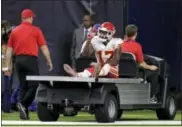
point(105, 34)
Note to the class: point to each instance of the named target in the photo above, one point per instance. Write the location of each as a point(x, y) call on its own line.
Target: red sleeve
point(10, 40)
point(40, 38)
point(139, 54)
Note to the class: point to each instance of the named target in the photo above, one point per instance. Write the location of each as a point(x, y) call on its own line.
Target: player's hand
point(91, 35)
point(118, 46)
point(93, 31)
point(50, 66)
point(153, 67)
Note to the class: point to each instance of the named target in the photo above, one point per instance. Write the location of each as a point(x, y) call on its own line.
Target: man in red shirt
point(24, 41)
point(131, 45)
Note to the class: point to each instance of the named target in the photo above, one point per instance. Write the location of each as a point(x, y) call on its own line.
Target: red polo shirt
point(133, 47)
point(25, 39)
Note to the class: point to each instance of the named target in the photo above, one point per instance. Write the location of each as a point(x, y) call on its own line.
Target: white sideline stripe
point(85, 115)
point(81, 79)
point(7, 122)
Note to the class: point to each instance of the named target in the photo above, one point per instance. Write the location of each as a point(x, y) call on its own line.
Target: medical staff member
point(131, 45)
point(24, 42)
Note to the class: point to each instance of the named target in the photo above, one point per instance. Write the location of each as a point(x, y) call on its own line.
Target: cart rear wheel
point(44, 114)
point(107, 112)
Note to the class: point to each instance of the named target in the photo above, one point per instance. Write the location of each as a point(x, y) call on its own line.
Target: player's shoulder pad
point(95, 39)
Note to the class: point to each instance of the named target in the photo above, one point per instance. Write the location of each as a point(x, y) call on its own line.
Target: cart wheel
point(45, 114)
point(169, 111)
point(107, 112)
point(120, 113)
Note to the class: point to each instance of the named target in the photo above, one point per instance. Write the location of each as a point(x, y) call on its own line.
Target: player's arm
point(87, 48)
point(116, 57)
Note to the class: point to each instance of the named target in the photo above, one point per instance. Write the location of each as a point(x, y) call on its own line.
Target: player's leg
point(104, 70)
point(70, 70)
point(109, 71)
point(86, 73)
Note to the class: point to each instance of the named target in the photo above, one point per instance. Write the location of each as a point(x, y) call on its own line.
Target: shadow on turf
point(124, 119)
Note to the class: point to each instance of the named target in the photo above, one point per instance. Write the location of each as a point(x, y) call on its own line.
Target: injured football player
point(107, 51)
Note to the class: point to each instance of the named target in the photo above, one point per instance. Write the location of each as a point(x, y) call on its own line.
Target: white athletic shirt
point(103, 52)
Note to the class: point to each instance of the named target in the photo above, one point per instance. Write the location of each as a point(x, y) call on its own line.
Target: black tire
point(44, 114)
point(102, 113)
point(120, 113)
point(169, 112)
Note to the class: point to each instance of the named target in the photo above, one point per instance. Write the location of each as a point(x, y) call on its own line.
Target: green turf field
point(127, 115)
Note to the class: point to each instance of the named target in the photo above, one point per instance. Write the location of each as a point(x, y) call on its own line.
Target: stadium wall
point(160, 23)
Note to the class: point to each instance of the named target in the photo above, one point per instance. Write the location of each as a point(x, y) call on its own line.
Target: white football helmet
point(106, 31)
